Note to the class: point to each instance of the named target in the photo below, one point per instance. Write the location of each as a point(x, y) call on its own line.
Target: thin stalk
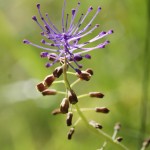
point(67, 84)
point(99, 132)
point(57, 82)
point(145, 82)
point(75, 82)
point(83, 95)
point(60, 92)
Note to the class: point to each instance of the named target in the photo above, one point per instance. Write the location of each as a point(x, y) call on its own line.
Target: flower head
point(65, 44)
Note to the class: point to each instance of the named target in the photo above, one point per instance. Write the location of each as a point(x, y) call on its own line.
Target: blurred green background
point(120, 73)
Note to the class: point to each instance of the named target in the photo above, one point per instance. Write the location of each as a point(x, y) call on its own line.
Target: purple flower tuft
point(65, 43)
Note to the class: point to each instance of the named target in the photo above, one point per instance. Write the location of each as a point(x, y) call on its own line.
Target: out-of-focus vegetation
point(26, 122)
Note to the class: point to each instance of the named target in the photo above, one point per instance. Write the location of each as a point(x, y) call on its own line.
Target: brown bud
point(119, 139)
point(41, 87)
point(64, 106)
point(70, 133)
point(49, 92)
point(56, 111)
point(90, 71)
point(52, 56)
point(49, 80)
point(72, 97)
point(117, 126)
point(84, 75)
point(146, 143)
point(58, 72)
point(96, 94)
point(102, 110)
point(69, 119)
point(95, 124)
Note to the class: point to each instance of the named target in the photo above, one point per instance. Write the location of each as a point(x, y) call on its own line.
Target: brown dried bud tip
point(96, 94)
point(72, 97)
point(102, 110)
point(69, 119)
point(119, 139)
point(117, 126)
point(64, 106)
point(49, 92)
point(90, 71)
point(84, 75)
point(58, 72)
point(41, 87)
point(49, 80)
point(52, 56)
point(95, 124)
point(146, 143)
point(56, 111)
point(70, 133)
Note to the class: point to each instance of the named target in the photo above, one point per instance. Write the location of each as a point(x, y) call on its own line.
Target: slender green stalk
point(83, 95)
point(84, 109)
point(103, 146)
point(57, 82)
point(99, 132)
point(65, 76)
point(145, 82)
point(79, 119)
point(75, 82)
point(60, 92)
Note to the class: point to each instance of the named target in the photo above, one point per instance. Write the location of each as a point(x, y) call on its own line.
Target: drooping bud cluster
point(70, 98)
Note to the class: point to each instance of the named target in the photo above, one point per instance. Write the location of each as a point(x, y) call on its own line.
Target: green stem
point(65, 76)
point(83, 95)
point(57, 82)
point(60, 92)
point(145, 82)
point(99, 132)
point(75, 82)
point(104, 145)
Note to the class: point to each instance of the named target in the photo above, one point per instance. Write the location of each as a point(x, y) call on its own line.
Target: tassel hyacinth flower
point(65, 46)
point(65, 43)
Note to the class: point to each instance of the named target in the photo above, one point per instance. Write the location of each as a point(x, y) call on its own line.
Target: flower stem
point(99, 132)
point(83, 118)
point(75, 82)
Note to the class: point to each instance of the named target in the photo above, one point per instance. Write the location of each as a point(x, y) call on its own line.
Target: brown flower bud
point(95, 124)
point(69, 119)
point(102, 110)
point(90, 71)
point(117, 126)
point(49, 80)
point(58, 72)
point(84, 75)
point(70, 133)
point(64, 106)
point(96, 94)
point(119, 139)
point(72, 97)
point(49, 92)
point(52, 56)
point(56, 111)
point(41, 87)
